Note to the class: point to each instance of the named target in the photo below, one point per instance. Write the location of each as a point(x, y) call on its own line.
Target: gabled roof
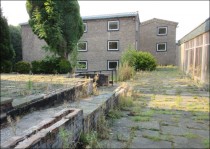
point(200, 29)
point(109, 16)
point(160, 21)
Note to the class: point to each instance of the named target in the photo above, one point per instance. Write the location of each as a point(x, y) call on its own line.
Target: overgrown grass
point(125, 102)
point(115, 114)
point(125, 72)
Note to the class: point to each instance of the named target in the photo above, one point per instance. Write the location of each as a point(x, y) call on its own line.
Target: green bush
point(145, 61)
point(64, 66)
point(139, 60)
point(36, 67)
point(50, 65)
point(6, 66)
point(22, 67)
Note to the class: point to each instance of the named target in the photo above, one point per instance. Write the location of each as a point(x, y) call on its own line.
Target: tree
point(7, 52)
point(58, 22)
point(15, 37)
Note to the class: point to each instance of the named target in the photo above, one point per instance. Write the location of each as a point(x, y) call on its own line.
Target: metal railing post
point(112, 78)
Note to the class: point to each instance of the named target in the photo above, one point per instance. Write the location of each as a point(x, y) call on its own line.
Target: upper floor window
point(82, 46)
point(113, 25)
point(113, 45)
point(162, 31)
point(85, 27)
point(161, 47)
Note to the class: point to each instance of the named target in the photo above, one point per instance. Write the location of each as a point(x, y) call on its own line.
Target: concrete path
point(169, 111)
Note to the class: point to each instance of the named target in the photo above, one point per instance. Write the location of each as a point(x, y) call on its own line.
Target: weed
point(13, 123)
point(148, 113)
point(190, 135)
point(206, 143)
point(114, 114)
point(130, 139)
point(102, 127)
point(120, 137)
point(153, 138)
point(125, 102)
point(90, 140)
point(95, 89)
point(178, 100)
point(65, 137)
point(141, 119)
point(125, 72)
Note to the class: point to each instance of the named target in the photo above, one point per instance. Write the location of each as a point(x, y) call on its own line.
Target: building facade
point(158, 37)
point(104, 40)
point(193, 53)
point(106, 37)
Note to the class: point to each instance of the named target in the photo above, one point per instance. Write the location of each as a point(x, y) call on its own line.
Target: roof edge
point(159, 20)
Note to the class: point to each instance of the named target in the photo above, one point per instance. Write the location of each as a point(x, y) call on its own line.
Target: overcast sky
point(189, 14)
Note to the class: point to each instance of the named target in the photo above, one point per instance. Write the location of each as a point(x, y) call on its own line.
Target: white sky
point(189, 14)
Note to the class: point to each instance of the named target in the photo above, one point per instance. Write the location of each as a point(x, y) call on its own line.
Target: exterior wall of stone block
point(149, 40)
point(97, 37)
point(32, 45)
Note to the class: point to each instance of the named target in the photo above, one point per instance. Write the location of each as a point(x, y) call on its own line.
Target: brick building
point(106, 37)
point(158, 37)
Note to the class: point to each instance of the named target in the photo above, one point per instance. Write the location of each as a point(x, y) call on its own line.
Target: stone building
point(158, 37)
point(193, 53)
point(103, 42)
point(106, 37)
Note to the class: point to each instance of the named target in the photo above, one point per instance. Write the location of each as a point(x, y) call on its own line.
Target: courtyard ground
point(169, 111)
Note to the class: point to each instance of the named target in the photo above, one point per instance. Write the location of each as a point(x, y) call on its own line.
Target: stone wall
point(49, 133)
point(43, 101)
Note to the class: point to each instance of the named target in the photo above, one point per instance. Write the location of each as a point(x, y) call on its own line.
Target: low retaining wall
point(49, 134)
point(42, 101)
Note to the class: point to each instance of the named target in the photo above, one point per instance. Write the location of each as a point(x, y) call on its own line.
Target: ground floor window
point(161, 47)
point(112, 64)
point(82, 65)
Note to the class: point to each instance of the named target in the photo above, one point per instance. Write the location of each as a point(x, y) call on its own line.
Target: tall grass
point(125, 72)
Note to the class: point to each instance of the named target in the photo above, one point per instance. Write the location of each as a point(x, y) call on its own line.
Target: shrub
point(6, 66)
point(36, 67)
point(125, 72)
point(50, 65)
point(145, 61)
point(139, 60)
point(64, 66)
point(22, 67)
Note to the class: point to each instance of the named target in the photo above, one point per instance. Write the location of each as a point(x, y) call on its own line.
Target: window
point(161, 47)
point(113, 45)
point(113, 25)
point(112, 64)
point(82, 65)
point(82, 46)
point(85, 27)
point(162, 31)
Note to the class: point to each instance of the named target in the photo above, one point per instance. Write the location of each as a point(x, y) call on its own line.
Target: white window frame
point(86, 63)
point(160, 28)
point(113, 41)
point(108, 61)
point(109, 29)
point(164, 49)
point(82, 49)
point(85, 31)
